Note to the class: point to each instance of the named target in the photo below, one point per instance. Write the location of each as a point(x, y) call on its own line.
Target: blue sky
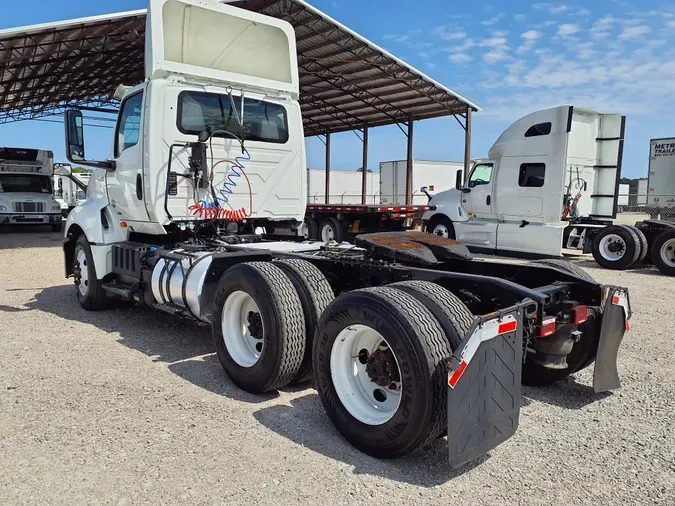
point(509, 57)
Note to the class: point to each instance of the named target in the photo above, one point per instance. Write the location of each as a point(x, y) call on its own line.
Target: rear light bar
point(547, 327)
point(579, 314)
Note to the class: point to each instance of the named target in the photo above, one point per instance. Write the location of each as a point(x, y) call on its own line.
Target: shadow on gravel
point(567, 393)
point(305, 423)
point(164, 338)
point(648, 270)
point(12, 309)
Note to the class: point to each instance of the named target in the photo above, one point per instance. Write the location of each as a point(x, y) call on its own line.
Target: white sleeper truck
point(26, 189)
point(401, 332)
point(551, 182)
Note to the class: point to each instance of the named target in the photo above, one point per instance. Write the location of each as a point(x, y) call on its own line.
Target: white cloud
point(495, 56)
point(531, 35)
point(634, 31)
point(449, 32)
point(670, 24)
point(460, 58)
point(467, 44)
point(567, 29)
point(551, 8)
point(494, 42)
point(519, 17)
point(493, 21)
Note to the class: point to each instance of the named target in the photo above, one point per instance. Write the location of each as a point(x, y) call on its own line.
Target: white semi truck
point(70, 189)
point(26, 189)
point(551, 181)
point(402, 332)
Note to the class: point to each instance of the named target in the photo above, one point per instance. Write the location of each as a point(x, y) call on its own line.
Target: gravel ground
point(128, 406)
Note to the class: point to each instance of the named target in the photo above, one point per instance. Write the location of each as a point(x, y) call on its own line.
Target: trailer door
point(661, 183)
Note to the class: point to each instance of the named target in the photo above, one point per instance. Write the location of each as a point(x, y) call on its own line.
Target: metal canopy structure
point(346, 82)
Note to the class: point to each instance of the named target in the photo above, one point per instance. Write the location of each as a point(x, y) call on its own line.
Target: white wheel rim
point(441, 231)
point(244, 348)
point(83, 287)
point(668, 252)
point(327, 233)
point(615, 242)
point(365, 400)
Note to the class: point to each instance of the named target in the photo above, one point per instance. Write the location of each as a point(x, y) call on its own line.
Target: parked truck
point(26, 188)
point(70, 189)
point(406, 336)
point(551, 182)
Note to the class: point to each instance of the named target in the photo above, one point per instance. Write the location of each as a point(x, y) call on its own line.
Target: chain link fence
point(636, 207)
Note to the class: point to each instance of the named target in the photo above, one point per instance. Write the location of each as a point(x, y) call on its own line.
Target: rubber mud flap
point(606, 374)
point(484, 406)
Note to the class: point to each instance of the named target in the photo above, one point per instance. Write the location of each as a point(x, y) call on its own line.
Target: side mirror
point(74, 136)
point(459, 180)
point(75, 141)
point(424, 190)
point(62, 169)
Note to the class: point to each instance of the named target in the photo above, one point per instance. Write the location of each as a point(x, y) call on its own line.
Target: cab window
point(482, 174)
point(129, 124)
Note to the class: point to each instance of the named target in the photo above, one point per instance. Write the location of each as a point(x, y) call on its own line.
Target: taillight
point(547, 327)
point(579, 314)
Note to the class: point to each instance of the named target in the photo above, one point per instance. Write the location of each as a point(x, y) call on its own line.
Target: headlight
point(56, 207)
point(3, 208)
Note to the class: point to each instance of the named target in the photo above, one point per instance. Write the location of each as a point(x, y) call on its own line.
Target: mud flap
point(484, 390)
point(614, 325)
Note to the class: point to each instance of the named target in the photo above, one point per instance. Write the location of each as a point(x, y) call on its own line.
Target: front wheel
point(441, 226)
point(616, 247)
point(88, 287)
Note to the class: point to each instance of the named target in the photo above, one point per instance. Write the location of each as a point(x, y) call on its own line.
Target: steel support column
point(327, 168)
point(409, 165)
point(364, 165)
point(467, 144)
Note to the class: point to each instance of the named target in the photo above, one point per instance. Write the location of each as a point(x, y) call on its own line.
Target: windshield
point(206, 112)
point(25, 183)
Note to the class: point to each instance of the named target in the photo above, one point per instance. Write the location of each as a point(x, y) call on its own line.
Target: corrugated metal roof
point(346, 81)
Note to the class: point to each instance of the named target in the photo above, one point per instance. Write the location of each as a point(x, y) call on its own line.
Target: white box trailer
point(661, 180)
point(436, 176)
point(643, 185)
point(345, 187)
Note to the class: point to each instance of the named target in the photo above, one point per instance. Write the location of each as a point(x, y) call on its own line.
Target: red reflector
point(457, 374)
point(505, 328)
point(579, 314)
point(547, 328)
point(616, 300)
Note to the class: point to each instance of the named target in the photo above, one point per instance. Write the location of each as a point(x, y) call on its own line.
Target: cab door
point(481, 228)
point(125, 183)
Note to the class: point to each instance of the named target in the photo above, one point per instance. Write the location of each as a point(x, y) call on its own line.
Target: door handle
point(139, 187)
point(488, 200)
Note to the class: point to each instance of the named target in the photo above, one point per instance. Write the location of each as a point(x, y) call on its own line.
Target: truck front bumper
point(29, 218)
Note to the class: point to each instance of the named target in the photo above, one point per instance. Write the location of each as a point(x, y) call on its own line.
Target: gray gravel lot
point(129, 406)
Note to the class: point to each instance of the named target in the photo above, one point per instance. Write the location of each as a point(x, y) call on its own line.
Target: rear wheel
point(258, 326)
point(616, 247)
point(441, 226)
point(315, 295)
point(644, 245)
point(88, 287)
point(379, 369)
point(331, 229)
point(663, 252)
point(309, 229)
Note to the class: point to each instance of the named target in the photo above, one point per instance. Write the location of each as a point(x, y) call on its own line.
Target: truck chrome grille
point(29, 207)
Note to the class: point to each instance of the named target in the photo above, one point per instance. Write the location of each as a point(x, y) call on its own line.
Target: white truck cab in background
point(26, 188)
point(70, 189)
point(548, 169)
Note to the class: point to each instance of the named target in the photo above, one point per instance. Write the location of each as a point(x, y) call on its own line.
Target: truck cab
point(214, 133)
point(547, 170)
point(26, 188)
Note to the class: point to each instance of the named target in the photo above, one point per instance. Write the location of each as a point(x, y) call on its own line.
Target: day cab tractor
point(407, 337)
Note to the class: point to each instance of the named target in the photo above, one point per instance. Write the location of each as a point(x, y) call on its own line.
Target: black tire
point(312, 228)
point(283, 326)
point(336, 227)
point(631, 251)
point(417, 341)
point(57, 227)
point(95, 297)
point(315, 295)
point(440, 220)
point(663, 242)
point(564, 265)
point(644, 245)
point(453, 316)
point(582, 355)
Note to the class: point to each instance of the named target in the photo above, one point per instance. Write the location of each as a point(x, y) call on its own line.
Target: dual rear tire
point(619, 247)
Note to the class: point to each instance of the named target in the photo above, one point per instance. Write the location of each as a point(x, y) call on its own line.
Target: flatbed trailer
point(341, 222)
